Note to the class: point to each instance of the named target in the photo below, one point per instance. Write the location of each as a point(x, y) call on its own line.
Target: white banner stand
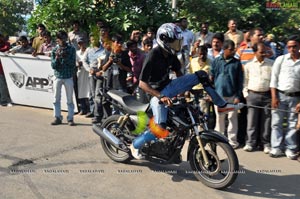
point(30, 80)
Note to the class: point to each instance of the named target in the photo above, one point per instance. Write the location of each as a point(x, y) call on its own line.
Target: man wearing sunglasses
point(285, 90)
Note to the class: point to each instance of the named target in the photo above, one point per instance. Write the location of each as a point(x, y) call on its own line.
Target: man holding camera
point(118, 65)
point(63, 62)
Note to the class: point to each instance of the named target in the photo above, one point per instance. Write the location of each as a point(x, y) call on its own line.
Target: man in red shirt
point(4, 95)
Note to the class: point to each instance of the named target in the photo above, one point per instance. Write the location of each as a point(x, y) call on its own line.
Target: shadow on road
point(263, 184)
point(266, 184)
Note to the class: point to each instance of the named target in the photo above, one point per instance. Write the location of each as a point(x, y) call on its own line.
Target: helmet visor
point(176, 45)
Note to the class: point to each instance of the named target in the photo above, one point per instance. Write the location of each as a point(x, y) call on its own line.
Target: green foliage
point(57, 15)
point(12, 15)
point(122, 16)
point(248, 13)
point(125, 16)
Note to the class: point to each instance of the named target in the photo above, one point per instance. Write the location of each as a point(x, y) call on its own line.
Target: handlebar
point(175, 100)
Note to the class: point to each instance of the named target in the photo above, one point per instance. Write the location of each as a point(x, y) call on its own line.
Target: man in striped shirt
point(245, 53)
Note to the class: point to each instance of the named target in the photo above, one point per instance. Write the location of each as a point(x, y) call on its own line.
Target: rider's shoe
point(230, 107)
point(135, 153)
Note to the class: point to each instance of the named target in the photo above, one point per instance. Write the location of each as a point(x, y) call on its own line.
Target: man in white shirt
point(285, 88)
point(257, 76)
point(188, 37)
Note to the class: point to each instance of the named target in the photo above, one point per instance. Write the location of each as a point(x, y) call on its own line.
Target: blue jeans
point(68, 83)
point(160, 111)
point(277, 134)
point(178, 86)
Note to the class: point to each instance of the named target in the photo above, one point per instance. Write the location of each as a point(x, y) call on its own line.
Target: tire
point(113, 153)
point(214, 176)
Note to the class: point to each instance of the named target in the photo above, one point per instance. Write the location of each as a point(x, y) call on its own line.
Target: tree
point(122, 16)
point(12, 15)
point(248, 13)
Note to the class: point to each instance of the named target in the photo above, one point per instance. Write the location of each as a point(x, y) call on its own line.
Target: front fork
point(197, 132)
point(202, 150)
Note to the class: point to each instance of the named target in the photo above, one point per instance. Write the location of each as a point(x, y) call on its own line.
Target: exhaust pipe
point(110, 138)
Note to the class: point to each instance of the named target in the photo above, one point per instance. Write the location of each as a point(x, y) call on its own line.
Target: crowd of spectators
point(246, 66)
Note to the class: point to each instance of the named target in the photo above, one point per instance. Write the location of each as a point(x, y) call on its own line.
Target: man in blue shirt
point(226, 73)
point(90, 63)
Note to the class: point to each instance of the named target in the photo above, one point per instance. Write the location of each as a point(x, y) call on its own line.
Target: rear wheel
point(223, 166)
point(111, 124)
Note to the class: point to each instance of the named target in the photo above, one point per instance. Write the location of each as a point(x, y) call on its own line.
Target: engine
point(165, 148)
point(161, 148)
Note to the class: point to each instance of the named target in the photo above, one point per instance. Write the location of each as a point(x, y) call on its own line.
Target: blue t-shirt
point(228, 76)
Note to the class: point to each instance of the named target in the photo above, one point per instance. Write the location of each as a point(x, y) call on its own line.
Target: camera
point(115, 58)
point(60, 53)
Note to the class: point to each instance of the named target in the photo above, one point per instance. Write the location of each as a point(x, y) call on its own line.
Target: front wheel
point(111, 124)
point(222, 168)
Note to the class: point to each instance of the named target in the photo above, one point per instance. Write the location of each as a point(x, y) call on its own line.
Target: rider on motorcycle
point(154, 79)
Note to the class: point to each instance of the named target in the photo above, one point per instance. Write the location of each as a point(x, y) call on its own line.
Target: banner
point(30, 80)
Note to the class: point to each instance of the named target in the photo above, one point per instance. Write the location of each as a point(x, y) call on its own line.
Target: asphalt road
point(38, 160)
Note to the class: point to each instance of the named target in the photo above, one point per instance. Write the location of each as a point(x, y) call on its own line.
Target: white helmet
point(169, 37)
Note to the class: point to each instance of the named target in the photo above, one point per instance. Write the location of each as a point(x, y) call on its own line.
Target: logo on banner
point(33, 83)
point(18, 79)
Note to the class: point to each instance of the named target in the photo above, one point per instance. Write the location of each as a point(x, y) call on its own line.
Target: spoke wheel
point(222, 168)
point(111, 124)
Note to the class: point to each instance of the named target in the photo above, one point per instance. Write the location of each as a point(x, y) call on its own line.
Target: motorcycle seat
point(127, 101)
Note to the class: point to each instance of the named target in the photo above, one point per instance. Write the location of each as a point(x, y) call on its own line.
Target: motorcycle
point(212, 159)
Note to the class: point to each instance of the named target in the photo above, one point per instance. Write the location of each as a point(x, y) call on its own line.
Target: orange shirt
point(245, 53)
